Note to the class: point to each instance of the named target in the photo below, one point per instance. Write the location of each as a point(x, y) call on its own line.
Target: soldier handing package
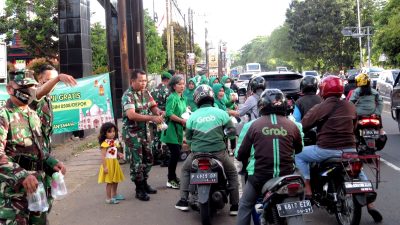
point(24, 161)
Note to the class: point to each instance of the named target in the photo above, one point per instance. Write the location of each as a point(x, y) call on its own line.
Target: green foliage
point(99, 48)
point(156, 54)
point(36, 22)
point(180, 47)
point(387, 36)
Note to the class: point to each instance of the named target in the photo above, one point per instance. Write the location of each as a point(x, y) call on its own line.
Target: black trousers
point(175, 151)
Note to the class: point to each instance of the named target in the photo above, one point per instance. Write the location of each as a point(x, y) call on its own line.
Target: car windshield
point(311, 73)
point(284, 83)
point(395, 74)
point(373, 74)
point(253, 67)
point(245, 77)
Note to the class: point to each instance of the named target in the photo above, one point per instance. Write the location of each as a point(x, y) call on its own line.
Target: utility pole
point(123, 37)
point(359, 32)
point(206, 46)
point(168, 35)
point(171, 40)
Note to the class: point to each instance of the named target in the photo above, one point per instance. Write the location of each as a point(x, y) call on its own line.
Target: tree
point(155, 51)
point(99, 48)
point(387, 36)
point(36, 23)
point(180, 36)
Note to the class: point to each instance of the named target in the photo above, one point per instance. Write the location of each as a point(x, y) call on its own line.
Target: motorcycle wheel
point(294, 220)
point(205, 213)
point(348, 211)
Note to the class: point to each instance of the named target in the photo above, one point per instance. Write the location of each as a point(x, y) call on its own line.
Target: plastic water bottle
point(58, 188)
point(37, 201)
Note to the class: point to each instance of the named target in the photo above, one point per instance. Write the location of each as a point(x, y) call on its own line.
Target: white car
point(242, 82)
point(312, 73)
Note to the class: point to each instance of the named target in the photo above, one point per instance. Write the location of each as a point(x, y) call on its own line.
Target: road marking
point(391, 165)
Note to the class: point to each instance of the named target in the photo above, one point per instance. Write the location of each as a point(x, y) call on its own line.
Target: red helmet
point(331, 86)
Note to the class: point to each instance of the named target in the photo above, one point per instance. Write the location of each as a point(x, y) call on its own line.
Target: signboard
point(213, 59)
point(85, 106)
point(191, 57)
point(3, 61)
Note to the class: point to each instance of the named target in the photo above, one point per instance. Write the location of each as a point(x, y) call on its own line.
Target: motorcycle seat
point(272, 183)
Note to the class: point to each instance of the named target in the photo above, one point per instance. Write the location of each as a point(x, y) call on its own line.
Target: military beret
point(166, 75)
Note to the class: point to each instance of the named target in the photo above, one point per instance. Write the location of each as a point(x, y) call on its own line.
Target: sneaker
point(119, 197)
point(234, 210)
point(112, 201)
point(182, 204)
point(173, 184)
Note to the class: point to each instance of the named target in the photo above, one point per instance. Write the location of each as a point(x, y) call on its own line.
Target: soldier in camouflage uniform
point(24, 161)
point(139, 108)
point(160, 94)
point(48, 77)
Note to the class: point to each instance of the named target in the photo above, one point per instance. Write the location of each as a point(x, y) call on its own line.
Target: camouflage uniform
point(22, 141)
point(160, 94)
point(136, 134)
point(44, 109)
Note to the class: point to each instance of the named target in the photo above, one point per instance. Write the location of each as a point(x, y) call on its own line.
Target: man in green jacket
point(205, 131)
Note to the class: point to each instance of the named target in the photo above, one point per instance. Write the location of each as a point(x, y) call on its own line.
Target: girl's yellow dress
point(115, 174)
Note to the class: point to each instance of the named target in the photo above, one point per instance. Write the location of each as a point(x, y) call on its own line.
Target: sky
point(235, 22)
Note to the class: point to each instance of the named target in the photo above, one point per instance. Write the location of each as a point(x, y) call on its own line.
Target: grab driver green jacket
point(205, 129)
point(268, 145)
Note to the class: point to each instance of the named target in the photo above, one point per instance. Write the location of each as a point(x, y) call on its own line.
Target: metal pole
point(359, 32)
point(142, 43)
point(206, 46)
point(123, 37)
point(369, 46)
point(186, 50)
point(172, 48)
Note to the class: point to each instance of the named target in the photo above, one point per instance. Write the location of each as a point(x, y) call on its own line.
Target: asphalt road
point(86, 206)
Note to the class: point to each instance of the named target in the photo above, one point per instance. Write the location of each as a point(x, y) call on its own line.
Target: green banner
point(85, 106)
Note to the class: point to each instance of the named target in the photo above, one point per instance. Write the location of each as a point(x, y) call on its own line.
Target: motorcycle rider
point(308, 86)
point(269, 143)
point(205, 131)
point(350, 86)
point(257, 86)
point(335, 120)
point(366, 99)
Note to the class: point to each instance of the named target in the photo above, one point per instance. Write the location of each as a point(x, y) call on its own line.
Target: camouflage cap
point(22, 78)
point(166, 75)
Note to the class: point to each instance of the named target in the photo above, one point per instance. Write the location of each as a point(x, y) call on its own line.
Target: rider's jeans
point(313, 153)
point(230, 171)
point(246, 205)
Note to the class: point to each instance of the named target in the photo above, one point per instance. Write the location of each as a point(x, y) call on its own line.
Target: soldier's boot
point(141, 192)
point(148, 188)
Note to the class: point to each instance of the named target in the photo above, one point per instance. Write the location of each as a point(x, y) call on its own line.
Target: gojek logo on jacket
point(206, 119)
point(274, 131)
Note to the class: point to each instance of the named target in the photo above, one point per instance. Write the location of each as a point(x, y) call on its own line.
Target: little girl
point(110, 170)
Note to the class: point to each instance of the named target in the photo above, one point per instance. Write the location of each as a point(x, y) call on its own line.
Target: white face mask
point(228, 85)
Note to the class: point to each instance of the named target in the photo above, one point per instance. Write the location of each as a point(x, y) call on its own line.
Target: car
point(288, 82)
point(312, 73)
point(242, 82)
point(395, 101)
point(385, 83)
point(373, 74)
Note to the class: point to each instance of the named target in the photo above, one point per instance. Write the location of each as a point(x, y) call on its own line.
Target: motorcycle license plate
point(203, 178)
point(370, 133)
point(358, 187)
point(294, 208)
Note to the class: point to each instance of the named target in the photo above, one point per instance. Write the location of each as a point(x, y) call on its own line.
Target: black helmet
point(203, 94)
point(352, 78)
point(272, 101)
point(309, 84)
point(257, 83)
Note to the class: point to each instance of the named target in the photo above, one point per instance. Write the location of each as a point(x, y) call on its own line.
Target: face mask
point(228, 85)
point(24, 95)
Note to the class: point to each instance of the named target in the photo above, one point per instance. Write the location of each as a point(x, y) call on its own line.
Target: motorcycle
point(208, 186)
point(336, 186)
point(282, 202)
point(368, 138)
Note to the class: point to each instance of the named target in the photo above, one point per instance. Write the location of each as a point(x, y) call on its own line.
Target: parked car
point(242, 82)
point(385, 83)
point(395, 101)
point(373, 74)
point(287, 82)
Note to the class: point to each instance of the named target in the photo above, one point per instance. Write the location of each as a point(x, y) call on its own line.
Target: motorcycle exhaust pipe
point(218, 200)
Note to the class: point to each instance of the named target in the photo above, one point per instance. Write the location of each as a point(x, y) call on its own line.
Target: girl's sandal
point(112, 201)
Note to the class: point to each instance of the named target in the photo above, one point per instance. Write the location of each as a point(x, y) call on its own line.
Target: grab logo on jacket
point(206, 119)
point(274, 131)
